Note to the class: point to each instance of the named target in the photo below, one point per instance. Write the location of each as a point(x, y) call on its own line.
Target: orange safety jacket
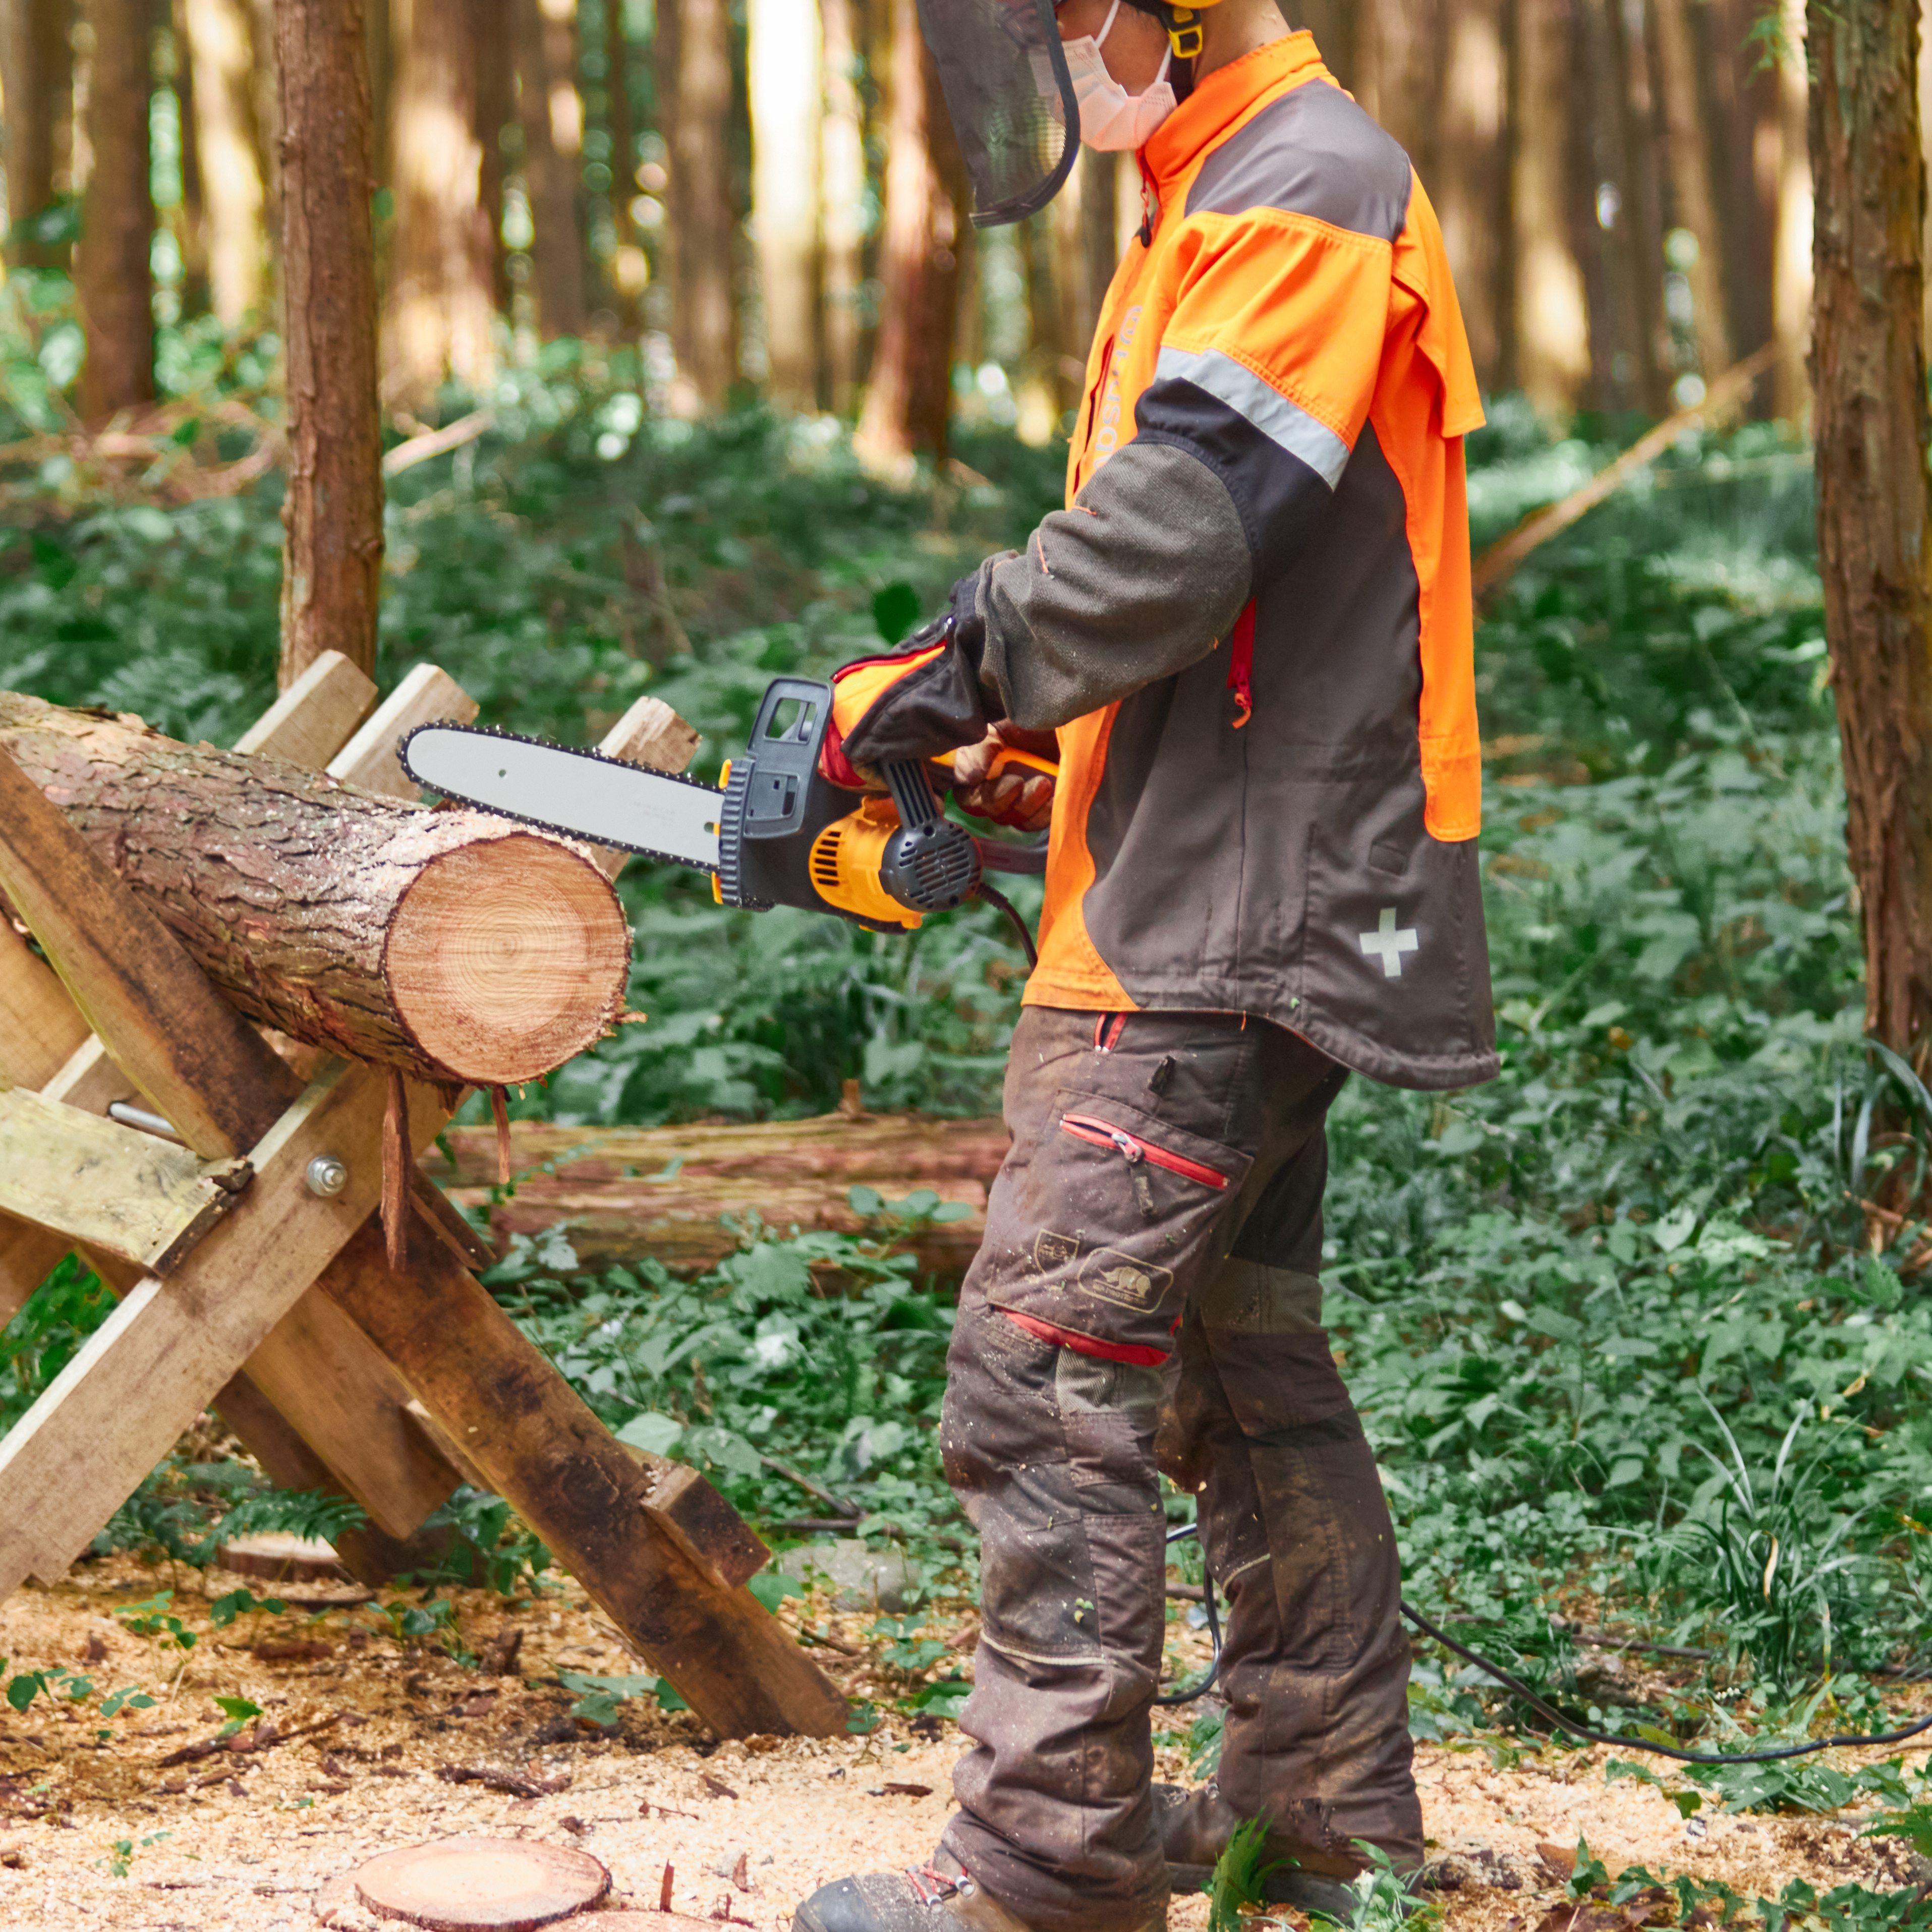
point(1287, 827)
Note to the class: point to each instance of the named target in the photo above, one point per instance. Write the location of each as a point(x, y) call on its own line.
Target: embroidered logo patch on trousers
point(1052, 1252)
point(1111, 1276)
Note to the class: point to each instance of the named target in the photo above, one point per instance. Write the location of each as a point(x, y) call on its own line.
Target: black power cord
point(1536, 1703)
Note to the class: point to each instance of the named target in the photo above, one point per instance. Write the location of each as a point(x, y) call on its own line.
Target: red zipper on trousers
point(1134, 1150)
point(1108, 1028)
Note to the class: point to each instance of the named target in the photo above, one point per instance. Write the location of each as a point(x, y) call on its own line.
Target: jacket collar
point(1224, 98)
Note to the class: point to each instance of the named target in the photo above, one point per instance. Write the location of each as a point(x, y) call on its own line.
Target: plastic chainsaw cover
point(1010, 98)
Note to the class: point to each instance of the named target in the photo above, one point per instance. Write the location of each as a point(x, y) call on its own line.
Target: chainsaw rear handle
point(777, 802)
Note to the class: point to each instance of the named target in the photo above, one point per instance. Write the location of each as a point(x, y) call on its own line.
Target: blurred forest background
point(764, 196)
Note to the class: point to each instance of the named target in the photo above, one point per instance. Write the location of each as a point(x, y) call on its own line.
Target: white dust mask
point(1110, 117)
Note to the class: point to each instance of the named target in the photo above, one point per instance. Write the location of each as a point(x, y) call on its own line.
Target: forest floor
point(98, 1827)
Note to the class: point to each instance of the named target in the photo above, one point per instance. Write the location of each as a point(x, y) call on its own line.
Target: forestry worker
point(1251, 631)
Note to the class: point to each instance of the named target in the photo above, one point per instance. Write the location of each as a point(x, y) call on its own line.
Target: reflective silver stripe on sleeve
point(1282, 422)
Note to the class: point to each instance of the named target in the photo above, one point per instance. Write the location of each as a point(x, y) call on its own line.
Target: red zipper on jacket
point(1134, 1149)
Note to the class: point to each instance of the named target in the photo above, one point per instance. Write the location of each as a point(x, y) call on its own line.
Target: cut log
point(504, 1884)
point(453, 945)
point(619, 1193)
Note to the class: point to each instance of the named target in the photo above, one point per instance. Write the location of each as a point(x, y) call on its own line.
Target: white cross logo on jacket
point(1389, 945)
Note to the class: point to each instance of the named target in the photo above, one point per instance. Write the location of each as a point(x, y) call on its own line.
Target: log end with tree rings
point(505, 957)
point(505, 1885)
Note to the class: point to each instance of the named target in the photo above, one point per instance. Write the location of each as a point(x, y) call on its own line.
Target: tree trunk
point(112, 281)
point(1791, 258)
point(1470, 184)
point(587, 1181)
point(784, 50)
point(1552, 327)
point(192, 222)
point(452, 944)
point(1397, 56)
point(630, 267)
point(492, 26)
point(1740, 108)
point(842, 186)
point(332, 574)
point(1692, 193)
point(1870, 430)
point(704, 314)
point(266, 85)
point(550, 106)
point(1644, 196)
point(37, 74)
point(911, 389)
point(220, 52)
point(1336, 26)
point(437, 317)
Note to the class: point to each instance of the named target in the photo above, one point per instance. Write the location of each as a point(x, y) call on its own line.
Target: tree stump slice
point(282, 1558)
point(481, 1885)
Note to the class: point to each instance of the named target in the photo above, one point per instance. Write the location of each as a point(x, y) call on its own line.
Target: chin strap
point(1183, 24)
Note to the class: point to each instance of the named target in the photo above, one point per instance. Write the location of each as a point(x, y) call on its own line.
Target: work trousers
point(1148, 1298)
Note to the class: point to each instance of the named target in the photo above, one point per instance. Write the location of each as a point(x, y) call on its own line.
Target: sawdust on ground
point(97, 1829)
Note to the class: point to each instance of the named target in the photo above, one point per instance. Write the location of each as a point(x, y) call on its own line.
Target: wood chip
point(896, 1788)
point(716, 1787)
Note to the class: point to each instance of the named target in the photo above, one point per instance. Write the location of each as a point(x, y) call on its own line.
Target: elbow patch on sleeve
point(1280, 465)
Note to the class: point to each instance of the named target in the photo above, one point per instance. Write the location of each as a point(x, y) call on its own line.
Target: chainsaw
point(774, 832)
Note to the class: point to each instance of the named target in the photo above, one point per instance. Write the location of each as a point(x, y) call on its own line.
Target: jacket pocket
point(1116, 1220)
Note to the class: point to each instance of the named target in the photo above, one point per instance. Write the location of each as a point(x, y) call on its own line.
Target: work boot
point(940, 1896)
point(1313, 1862)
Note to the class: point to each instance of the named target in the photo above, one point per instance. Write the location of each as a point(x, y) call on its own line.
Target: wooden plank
point(200, 1064)
point(40, 1026)
point(27, 1255)
point(536, 1442)
point(161, 1356)
point(372, 1556)
point(139, 1197)
point(89, 1079)
point(315, 716)
point(428, 694)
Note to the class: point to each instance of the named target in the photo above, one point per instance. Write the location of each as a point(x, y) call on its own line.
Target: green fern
point(1240, 1875)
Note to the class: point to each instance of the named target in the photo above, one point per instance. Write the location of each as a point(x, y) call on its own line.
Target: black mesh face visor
point(1010, 98)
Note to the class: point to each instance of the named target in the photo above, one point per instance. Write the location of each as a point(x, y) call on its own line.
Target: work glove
point(922, 701)
point(1009, 777)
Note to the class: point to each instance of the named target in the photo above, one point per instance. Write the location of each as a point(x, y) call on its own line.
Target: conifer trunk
point(550, 106)
point(220, 53)
point(842, 185)
point(1791, 254)
point(1692, 191)
point(332, 571)
point(907, 402)
point(1874, 532)
point(1472, 188)
point(704, 314)
point(492, 26)
point(37, 75)
point(112, 279)
point(437, 316)
point(785, 46)
point(1552, 327)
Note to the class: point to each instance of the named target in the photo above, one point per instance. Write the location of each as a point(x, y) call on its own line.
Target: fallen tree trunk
point(617, 1194)
point(455, 945)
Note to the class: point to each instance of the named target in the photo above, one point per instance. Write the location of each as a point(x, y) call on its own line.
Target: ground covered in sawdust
point(367, 1742)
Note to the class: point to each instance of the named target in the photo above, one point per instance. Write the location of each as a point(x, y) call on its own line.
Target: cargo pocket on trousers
point(1126, 1210)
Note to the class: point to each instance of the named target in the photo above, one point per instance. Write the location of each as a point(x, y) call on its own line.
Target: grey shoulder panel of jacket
point(1313, 151)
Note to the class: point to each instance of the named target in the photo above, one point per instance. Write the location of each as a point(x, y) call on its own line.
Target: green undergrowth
point(1638, 1330)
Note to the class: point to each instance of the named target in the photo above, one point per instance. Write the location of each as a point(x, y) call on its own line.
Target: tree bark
point(910, 393)
point(1470, 185)
point(1692, 190)
point(492, 26)
point(784, 47)
point(1871, 429)
point(191, 222)
point(220, 53)
point(332, 574)
point(1791, 254)
point(453, 945)
point(586, 1182)
point(842, 187)
point(37, 72)
point(1552, 326)
point(704, 313)
point(437, 317)
point(630, 267)
point(112, 280)
point(550, 106)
